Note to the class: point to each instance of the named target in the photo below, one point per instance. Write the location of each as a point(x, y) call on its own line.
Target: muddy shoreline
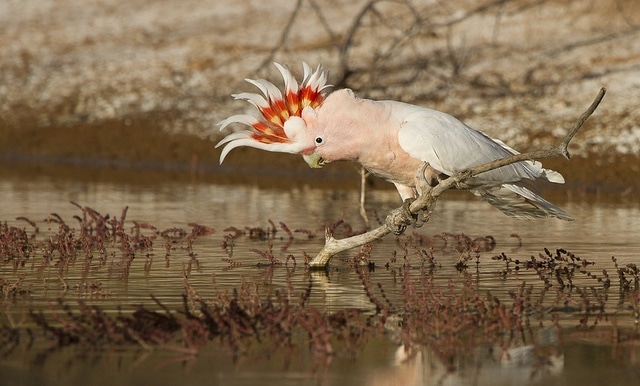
point(134, 151)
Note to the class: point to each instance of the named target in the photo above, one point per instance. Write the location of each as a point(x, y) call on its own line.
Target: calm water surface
point(601, 230)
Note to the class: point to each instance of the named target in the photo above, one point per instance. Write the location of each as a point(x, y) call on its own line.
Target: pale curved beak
point(314, 160)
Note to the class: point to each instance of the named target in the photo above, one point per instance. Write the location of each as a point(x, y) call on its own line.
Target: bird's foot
point(399, 218)
point(422, 218)
point(429, 177)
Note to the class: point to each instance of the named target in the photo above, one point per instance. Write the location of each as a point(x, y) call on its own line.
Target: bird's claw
point(398, 219)
point(422, 218)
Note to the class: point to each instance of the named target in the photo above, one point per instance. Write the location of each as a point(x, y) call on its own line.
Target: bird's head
point(283, 125)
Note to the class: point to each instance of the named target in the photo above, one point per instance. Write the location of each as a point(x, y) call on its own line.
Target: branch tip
point(328, 236)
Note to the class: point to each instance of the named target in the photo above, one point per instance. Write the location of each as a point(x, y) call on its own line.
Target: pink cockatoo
point(390, 139)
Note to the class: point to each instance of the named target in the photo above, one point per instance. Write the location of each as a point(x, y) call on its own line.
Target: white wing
point(450, 146)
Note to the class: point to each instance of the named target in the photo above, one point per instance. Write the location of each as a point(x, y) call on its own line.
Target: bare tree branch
point(344, 49)
point(407, 214)
point(283, 37)
point(323, 20)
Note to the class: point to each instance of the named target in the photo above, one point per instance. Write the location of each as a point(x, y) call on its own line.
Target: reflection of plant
point(453, 318)
point(559, 268)
point(629, 276)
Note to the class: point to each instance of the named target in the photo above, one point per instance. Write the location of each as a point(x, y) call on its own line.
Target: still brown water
point(587, 353)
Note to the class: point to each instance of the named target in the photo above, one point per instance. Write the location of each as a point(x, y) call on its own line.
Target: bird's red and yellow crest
point(275, 109)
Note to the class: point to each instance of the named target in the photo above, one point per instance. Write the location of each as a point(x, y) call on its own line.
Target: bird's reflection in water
point(486, 365)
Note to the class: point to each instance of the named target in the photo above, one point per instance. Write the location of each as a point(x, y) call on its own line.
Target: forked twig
point(397, 218)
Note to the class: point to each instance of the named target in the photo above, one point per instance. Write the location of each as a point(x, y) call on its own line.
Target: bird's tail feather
point(518, 201)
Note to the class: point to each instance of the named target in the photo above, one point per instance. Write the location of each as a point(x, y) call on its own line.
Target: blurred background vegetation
point(94, 85)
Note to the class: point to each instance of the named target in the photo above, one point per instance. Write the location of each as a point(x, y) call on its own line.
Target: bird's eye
point(318, 140)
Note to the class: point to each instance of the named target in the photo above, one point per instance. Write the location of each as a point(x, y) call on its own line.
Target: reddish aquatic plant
point(451, 317)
